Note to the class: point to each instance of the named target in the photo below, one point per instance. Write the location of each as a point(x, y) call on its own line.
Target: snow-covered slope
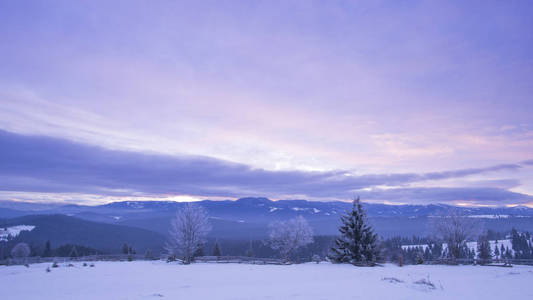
point(13, 231)
point(159, 280)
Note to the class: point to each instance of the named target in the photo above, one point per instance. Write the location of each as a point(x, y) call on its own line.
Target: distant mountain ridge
point(263, 205)
point(249, 217)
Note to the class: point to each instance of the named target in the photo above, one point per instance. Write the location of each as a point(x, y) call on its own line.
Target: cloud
point(528, 162)
point(465, 195)
point(51, 165)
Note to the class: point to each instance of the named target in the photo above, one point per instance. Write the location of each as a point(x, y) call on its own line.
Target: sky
point(400, 102)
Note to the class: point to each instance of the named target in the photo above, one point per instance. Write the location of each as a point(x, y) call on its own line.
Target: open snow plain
point(159, 280)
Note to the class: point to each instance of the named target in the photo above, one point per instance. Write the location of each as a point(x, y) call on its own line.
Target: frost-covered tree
point(455, 230)
point(187, 232)
point(287, 236)
point(358, 242)
point(21, 250)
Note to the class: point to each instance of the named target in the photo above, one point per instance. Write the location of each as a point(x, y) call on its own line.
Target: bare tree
point(287, 236)
point(455, 230)
point(187, 232)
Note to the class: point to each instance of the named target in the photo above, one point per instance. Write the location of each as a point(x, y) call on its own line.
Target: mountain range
point(145, 223)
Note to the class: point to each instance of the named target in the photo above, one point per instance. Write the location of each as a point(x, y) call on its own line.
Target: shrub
point(316, 258)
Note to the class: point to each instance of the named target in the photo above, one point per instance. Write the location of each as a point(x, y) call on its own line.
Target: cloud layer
point(51, 165)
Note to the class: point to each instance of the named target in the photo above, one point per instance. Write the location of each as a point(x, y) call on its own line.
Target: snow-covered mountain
point(261, 206)
point(249, 216)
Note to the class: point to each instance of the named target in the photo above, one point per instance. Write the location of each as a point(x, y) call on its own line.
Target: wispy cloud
point(243, 98)
point(456, 195)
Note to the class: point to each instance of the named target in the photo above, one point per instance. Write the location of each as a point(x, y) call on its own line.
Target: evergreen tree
point(483, 249)
point(125, 249)
point(47, 250)
point(436, 251)
point(496, 252)
point(358, 242)
point(216, 251)
point(508, 253)
point(250, 252)
point(73, 252)
point(502, 251)
point(148, 254)
point(199, 251)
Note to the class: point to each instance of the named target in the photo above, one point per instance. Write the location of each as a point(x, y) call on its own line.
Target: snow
point(134, 204)
point(315, 210)
point(273, 209)
point(471, 245)
point(298, 208)
point(159, 280)
point(489, 216)
point(423, 246)
point(14, 231)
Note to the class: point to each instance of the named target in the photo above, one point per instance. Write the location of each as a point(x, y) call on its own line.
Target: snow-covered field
point(159, 280)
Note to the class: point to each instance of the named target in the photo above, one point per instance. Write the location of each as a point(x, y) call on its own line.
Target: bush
point(316, 258)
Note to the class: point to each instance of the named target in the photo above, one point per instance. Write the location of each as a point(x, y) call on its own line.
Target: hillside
point(61, 229)
point(248, 217)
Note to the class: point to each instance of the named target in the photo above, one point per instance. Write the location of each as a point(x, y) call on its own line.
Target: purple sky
point(396, 101)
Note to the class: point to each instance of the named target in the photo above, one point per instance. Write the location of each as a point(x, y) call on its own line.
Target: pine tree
point(199, 251)
point(47, 250)
point(358, 242)
point(216, 251)
point(73, 252)
point(496, 252)
point(508, 253)
point(148, 255)
point(250, 251)
point(483, 248)
point(125, 249)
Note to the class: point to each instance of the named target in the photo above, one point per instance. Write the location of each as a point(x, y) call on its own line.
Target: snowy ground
point(159, 280)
